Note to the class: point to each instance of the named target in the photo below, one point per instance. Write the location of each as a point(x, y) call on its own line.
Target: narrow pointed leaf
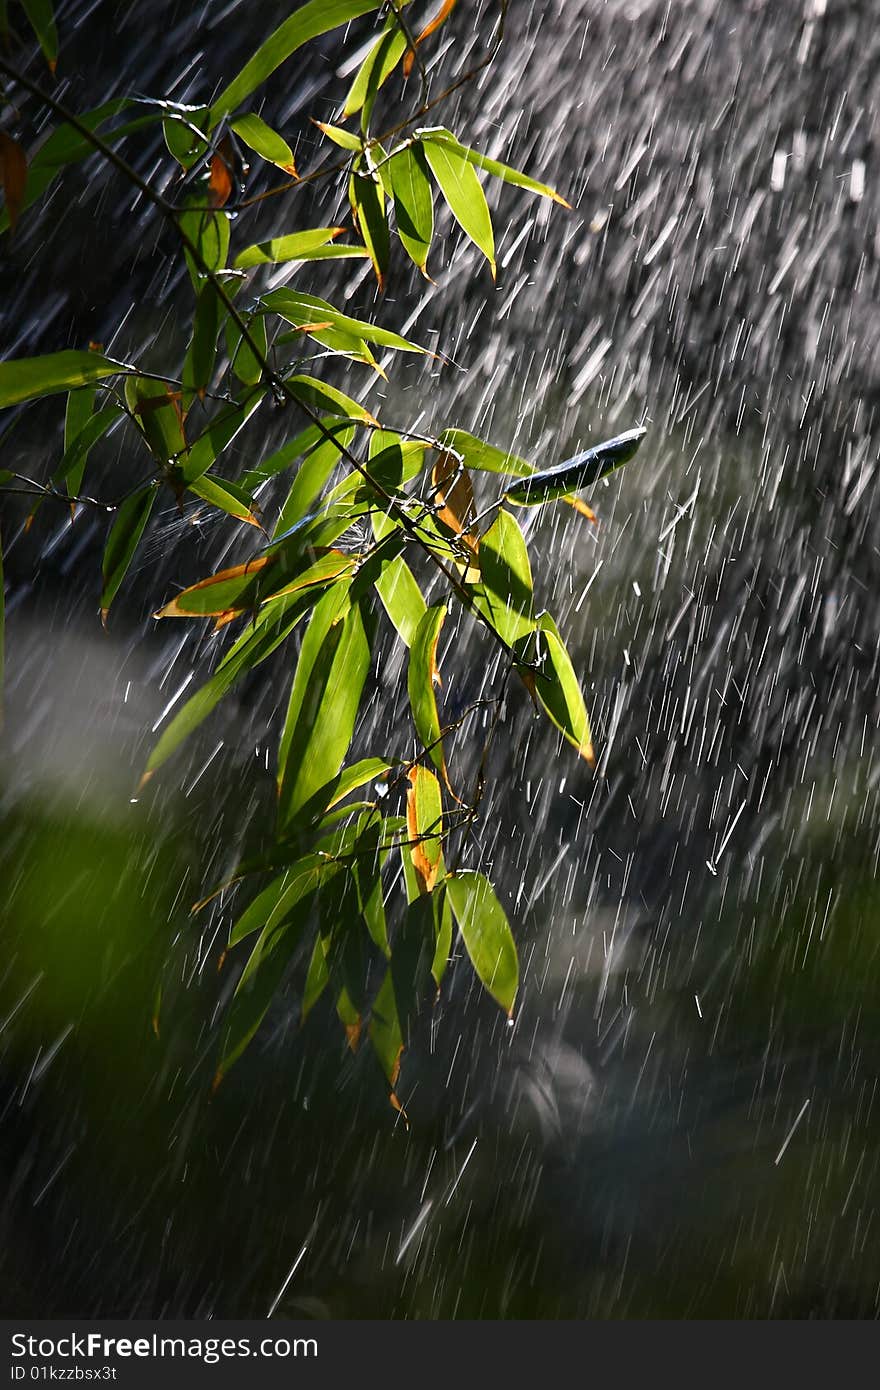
point(228, 497)
point(374, 72)
point(422, 678)
point(42, 18)
point(504, 595)
point(346, 139)
point(463, 193)
point(223, 429)
point(303, 309)
point(125, 534)
point(386, 1036)
point(413, 203)
point(298, 246)
point(494, 166)
point(307, 22)
point(486, 935)
point(323, 397)
point(324, 701)
point(555, 683)
point(26, 378)
point(367, 199)
point(265, 142)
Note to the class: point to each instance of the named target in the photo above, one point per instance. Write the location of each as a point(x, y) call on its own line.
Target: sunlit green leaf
point(483, 457)
point(208, 232)
point(504, 595)
point(310, 20)
point(324, 701)
point(554, 682)
point(312, 476)
point(486, 935)
point(385, 1032)
point(374, 71)
point(225, 495)
point(26, 378)
point(367, 199)
point(321, 396)
point(422, 677)
point(297, 246)
point(413, 203)
point(184, 136)
point(438, 134)
point(305, 309)
point(463, 194)
point(424, 823)
point(344, 138)
point(264, 141)
point(244, 363)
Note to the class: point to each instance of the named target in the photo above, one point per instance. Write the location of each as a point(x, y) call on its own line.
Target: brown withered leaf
point(440, 17)
point(423, 817)
point(455, 496)
point(581, 506)
point(13, 175)
point(220, 182)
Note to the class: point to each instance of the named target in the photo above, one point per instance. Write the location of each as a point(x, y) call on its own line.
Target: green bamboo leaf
point(312, 476)
point(26, 378)
point(271, 906)
point(504, 595)
point(282, 458)
point(483, 457)
point(184, 136)
point(413, 203)
point(42, 19)
point(486, 935)
point(198, 364)
point(386, 1036)
point(492, 166)
point(324, 700)
point(80, 404)
point(156, 409)
point(302, 309)
point(367, 198)
point(125, 535)
point(317, 979)
point(553, 680)
point(323, 397)
point(463, 193)
point(298, 246)
point(576, 473)
point(344, 138)
point(315, 18)
point(209, 233)
point(270, 629)
point(227, 496)
point(264, 141)
point(246, 366)
point(220, 433)
point(374, 72)
point(401, 597)
point(422, 676)
point(73, 464)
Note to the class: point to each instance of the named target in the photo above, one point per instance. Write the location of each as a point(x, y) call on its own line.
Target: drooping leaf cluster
point(364, 501)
